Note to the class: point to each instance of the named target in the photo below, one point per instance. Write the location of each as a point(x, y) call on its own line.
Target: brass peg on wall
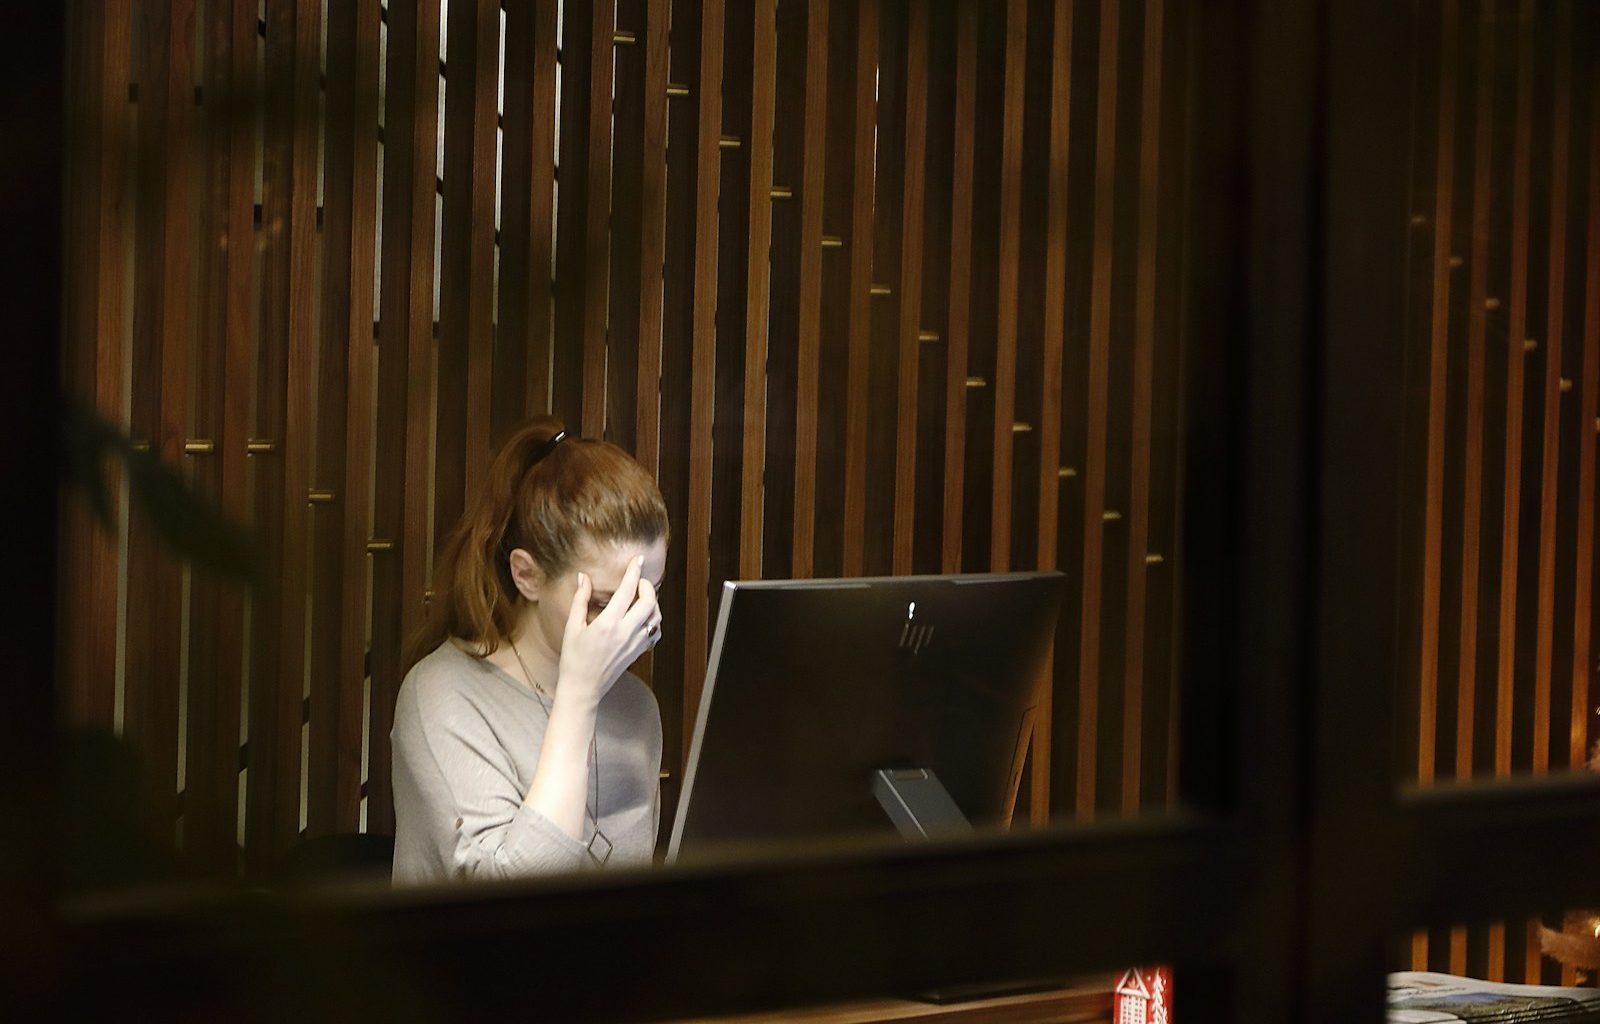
point(1110, 515)
point(319, 497)
point(1066, 473)
point(665, 774)
point(1153, 559)
point(782, 192)
point(198, 447)
point(624, 38)
point(1491, 303)
point(728, 142)
point(880, 289)
point(832, 242)
point(1022, 428)
point(1418, 219)
point(380, 545)
point(677, 89)
point(976, 382)
point(1456, 261)
point(139, 446)
point(1565, 384)
point(257, 446)
point(1529, 344)
point(926, 336)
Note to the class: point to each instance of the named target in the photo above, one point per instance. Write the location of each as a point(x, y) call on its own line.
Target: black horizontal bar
point(806, 928)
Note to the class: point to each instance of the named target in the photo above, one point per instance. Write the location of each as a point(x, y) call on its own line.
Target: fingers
point(625, 592)
point(578, 614)
point(644, 609)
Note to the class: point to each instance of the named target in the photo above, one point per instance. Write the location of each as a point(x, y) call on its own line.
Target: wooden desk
point(1088, 1002)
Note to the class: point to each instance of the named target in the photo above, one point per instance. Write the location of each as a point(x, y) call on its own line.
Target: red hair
point(548, 500)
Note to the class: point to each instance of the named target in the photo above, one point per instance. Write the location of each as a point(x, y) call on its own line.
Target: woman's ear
point(526, 574)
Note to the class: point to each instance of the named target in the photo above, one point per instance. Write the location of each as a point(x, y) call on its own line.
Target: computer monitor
point(856, 706)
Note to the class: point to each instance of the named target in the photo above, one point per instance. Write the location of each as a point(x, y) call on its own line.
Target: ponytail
point(547, 493)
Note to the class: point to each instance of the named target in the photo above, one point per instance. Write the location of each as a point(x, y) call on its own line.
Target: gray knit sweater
point(466, 740)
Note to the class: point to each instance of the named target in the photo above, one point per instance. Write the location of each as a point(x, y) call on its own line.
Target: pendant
point(599, 848)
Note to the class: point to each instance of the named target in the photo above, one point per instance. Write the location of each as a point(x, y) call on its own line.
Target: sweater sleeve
point(492, 832)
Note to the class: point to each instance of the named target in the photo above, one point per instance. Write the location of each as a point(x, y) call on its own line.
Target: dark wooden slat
point(1052, 339)
point(652, 233)
point(572, 262)
point(344, 389)
point(809, 344)
point(1095, 454)
point(707, 95)
point(958, 325)
point(1432, 538)
point(508, 394)
point(223, 354)
point(466, 267)
point(1147, 296)
point(884, 296)
point(159, 411)
point(97, 311)
point(628, 286)
point(405, 373)
point(909, 288)
point(858, 298)
point(1588, 418)
point(757, 142)
point(596, 255)
point(278, 622)
point(783, 327)
point(1473, 494)
point(731, 313)
point(1552, 346)
point(1005, 371)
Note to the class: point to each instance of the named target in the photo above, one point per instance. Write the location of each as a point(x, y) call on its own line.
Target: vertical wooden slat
point(211, 789)
point(572, 209)
point(1052, 345)
point(405, 371)
point(708, 96)
point(98, 311)
point(628, 286)
point(596, 254)
point(466, 279)
point(1588, 417)
point(1095, 454)
point(1145, 302)
point(859, 299)
point(1516, 357)
point(159, 413)
point(1005, 372)
point(908, 287)
point(1555, 325)
point(807, 374)
point(1432, 536)
point(758, 143)
point(344, 389)
point(653, 225)
point(958, 326)
point(1473, 493)
point(523, 335)
point(283, 478)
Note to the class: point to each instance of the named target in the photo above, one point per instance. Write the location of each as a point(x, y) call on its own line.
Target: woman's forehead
point(606, 563)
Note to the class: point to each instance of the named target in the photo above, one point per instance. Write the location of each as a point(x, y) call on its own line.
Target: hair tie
point(548, 447)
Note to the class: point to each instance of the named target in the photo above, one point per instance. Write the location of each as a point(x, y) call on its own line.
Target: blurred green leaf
point(190, 524)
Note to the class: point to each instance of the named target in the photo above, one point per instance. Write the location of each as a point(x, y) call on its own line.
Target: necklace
point(599, 847)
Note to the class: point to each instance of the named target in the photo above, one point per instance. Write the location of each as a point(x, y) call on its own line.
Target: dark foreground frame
point(1275, 894)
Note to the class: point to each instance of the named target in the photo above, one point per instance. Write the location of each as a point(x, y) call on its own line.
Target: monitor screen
point(814, 687)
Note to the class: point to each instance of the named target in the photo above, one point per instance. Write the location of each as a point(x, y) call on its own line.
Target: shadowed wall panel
point(871, 286)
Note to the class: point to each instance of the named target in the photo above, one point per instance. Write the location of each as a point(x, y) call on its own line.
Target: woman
point(521, 743)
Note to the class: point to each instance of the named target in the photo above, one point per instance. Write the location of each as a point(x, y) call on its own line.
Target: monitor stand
point(917, 802)
point(920, 807)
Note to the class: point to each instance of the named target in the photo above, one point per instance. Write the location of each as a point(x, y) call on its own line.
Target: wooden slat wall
point(1507, 217)
point(871, 286)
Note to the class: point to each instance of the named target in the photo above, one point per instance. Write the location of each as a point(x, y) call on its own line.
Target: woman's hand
point(595, 654)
